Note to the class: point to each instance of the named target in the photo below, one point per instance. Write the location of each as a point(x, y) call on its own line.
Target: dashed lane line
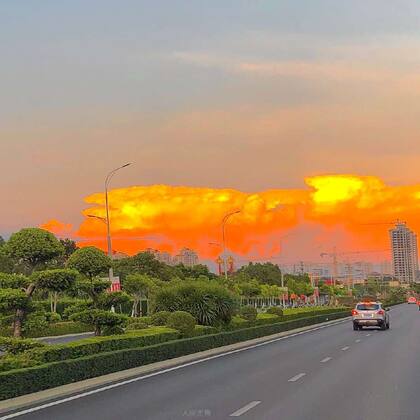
point(297, 377)
point(245, 409)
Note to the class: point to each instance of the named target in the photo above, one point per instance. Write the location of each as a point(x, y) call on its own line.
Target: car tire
point(387, 326)
point(356, 327)
point(383, 326)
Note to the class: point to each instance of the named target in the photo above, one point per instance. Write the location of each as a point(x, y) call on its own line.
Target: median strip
point(244, 409)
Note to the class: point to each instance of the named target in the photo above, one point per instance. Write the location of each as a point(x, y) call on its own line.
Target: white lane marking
point(161, 372)
point(244, 409)
point(358, 340)
point(297, 377)
point(345, 348)
point(368, 335)
point(327, 359)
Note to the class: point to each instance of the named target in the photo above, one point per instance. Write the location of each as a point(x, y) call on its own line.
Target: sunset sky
point(246, 96)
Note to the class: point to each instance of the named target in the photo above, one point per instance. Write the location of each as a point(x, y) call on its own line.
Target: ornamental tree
point(89, 261)
point(138, 286)
point(34, 248)
point(56, 281)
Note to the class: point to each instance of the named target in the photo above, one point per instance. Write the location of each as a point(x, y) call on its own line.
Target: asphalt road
point(333, 373)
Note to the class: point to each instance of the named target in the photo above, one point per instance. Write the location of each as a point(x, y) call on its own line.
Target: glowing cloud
point(169, 217)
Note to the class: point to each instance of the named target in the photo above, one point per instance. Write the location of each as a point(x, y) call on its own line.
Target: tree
point(56, 281)
point(110, 300)
point(266, 273)
point(101, 320)
point(89, 261)
point(138, 286)
point(2, 241)
point(70, 247)
point(143, 263)
point(7, 264)
point(33, 247)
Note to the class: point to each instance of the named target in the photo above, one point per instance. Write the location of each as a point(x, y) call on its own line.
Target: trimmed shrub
point(200, 330)
point(275, 310)
point(267, 319)
point(237, 323)
point(53, 317)
point(11, 362)
point(138, 323)
point(248, 313)
point(23, 381)
point(18, 345)
point(94, 345)
point(182, 321)
point(102, 321)
point(160, 318)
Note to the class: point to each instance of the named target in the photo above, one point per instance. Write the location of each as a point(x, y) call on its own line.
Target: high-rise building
point(161, 256)
point(186, 256)
point(404, 253)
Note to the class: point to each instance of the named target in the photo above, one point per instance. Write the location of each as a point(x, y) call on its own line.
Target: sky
point(243, 95)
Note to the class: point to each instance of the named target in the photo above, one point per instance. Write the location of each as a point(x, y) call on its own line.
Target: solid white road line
point(327, 359)
point(345, 348)
point(358, 340)
point(244, 409)
point(161, 372)
point(297, 377)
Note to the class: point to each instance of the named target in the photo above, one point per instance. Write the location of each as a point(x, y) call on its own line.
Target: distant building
point(404, 253)
point(186, 256)
point(162, 256)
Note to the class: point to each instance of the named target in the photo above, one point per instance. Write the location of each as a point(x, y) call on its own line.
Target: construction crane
point(335, 254)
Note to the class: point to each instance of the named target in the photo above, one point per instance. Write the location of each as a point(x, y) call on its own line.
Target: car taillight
point(381, 312)
point(354, 312)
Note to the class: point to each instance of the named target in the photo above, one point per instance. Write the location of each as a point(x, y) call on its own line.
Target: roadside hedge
point(33, 379)
point(90, 346)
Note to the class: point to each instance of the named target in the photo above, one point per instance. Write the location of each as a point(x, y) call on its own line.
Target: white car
point(368, 314)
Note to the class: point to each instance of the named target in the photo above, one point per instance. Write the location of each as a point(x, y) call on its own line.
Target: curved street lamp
point(224, 221)
point(108, 224)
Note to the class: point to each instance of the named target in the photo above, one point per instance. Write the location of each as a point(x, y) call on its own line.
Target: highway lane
point(332, 373)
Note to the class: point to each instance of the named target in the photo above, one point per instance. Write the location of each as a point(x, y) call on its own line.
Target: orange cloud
point(168, 217)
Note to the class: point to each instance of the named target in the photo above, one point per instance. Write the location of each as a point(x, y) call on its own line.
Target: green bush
point(182, 321)
point(266, 319)
point(23, 381)
point(275, 310)
point(160, 318)
point(89, 346)
point(138, 323)
point(17, 345)
point(237, 323)
point(35, 324)
point(61, 328)
point(209, 303)
point(200, 330)
point(53, 317)
point(101, 320)
point(249, 313)
point(11, 362)
point(76, 308)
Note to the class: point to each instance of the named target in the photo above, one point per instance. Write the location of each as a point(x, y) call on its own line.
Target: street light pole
point(224, 221)
point(108, 223)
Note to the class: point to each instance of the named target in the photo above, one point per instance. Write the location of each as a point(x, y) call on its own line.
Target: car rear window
point(367, 307)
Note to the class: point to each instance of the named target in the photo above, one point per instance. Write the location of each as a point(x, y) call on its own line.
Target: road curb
point(37, 398)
